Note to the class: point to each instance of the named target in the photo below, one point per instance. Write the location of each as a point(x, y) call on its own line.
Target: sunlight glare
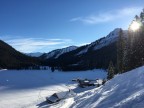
point(134, 26)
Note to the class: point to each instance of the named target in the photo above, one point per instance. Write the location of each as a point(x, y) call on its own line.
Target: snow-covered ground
point(28, 88)
point(123, 91)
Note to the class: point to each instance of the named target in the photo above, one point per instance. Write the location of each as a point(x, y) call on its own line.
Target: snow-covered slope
point(36, 54)
point(110, 38)
point(123, 91)
point(56, 53)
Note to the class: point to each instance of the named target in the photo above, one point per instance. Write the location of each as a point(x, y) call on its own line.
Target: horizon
point(43, 26)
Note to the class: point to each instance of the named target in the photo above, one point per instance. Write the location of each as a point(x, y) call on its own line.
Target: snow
point(123, 91)
point(29, 88)
point(110, 38)
point(56, 53)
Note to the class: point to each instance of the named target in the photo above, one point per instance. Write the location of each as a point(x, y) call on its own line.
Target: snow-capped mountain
point(98, 44)
point(35, 54)
point(98, 54)
point(110, 38)
point(58, 52)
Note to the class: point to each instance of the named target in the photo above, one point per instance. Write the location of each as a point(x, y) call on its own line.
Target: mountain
point(98, 44)
point(98, 54)
point(105, 41)
point(35, 54)
point(58, 52)
point(12, 59)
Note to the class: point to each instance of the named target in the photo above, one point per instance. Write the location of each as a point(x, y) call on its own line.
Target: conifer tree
point(111, 71)
point(120, 52)
point(142, 15)
point(52, 69)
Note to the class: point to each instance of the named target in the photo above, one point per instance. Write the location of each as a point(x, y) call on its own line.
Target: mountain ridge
point(58, 52)
point(111, 35)
point(97, 54)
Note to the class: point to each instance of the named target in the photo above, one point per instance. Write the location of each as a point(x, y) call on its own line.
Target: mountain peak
point(58, 52)
point(114, 33)
point(104, 41)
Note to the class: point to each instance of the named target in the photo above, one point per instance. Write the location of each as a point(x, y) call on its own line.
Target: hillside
point(12, 59)
point(123, 91)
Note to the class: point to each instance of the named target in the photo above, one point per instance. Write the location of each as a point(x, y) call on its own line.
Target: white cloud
point(76, 19)
point(35, 44)
point(109, 15)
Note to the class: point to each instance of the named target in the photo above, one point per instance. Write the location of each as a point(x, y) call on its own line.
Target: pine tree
point(52, 69)
point(137, 17)
point(120, 52)
point(111, 71)
point(142, 15)
point(128, 51)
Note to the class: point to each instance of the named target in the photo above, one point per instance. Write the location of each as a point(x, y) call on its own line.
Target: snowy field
point(28, 88)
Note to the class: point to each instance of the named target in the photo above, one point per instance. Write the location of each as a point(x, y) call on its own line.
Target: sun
point(135, 26)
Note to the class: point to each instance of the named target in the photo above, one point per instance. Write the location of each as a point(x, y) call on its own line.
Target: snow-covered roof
point(53, 98)
point(62, 95)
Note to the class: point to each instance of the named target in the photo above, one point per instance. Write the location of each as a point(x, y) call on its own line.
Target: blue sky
point(44, 25)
